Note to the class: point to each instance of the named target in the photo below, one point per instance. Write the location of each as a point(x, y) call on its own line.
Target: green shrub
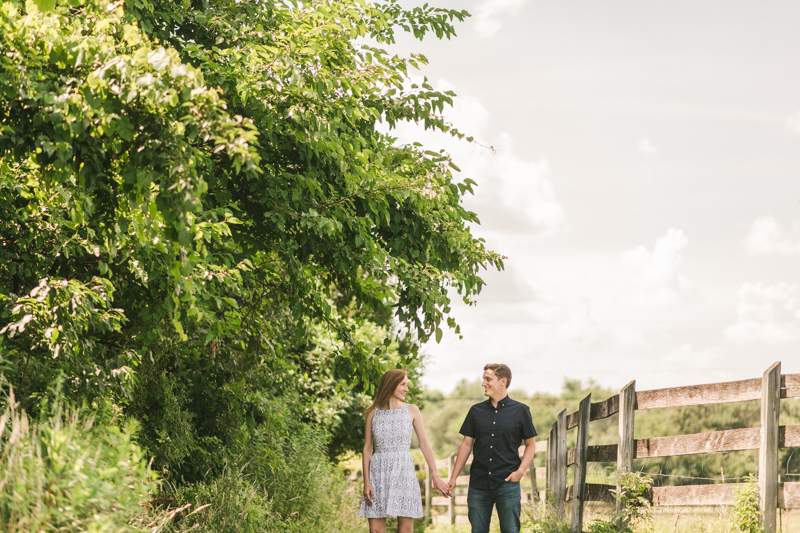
point(545, 519)
point(745, 515)
point(279, 480)
point(65, 473)
point(635, 510)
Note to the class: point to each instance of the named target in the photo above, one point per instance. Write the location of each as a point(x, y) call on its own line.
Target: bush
point(635, 510)
point(546, 519)
point(746, 515)
point(65, 473)
point(279, 480)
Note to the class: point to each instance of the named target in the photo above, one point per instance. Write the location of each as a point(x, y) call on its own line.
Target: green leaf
point(41, 6)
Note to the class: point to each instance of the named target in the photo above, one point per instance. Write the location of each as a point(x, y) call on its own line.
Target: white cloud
point(793, 124)
point(653, 278)
point(524, 188)
point(513, 193)
point(486, 14)
point(646, 147)
point(766, 313)
point(767, 236)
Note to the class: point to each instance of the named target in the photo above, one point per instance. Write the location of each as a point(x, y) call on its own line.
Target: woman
point(391, 488)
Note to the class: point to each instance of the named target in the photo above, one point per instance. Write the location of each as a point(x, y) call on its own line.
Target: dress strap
point(405, 407)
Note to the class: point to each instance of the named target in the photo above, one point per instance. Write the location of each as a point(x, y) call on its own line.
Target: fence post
point(581, 449)
point(560, 477)
point(534, 488)
point(549, 461)
point(768, 452)
point(626, 446)
point(451, 501)
point(428, 493)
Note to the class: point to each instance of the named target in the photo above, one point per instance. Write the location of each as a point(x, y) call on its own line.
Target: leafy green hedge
point(280, 480)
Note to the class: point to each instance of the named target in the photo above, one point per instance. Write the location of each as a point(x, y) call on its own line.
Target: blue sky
point(644, 187)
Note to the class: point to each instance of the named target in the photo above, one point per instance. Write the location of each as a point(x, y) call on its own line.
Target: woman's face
point(401, 390)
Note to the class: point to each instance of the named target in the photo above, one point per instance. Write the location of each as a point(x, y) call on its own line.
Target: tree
point(194, 195)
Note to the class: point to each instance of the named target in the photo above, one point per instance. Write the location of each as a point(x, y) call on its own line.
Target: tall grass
point(69, 472)
point(278, 480)
point(64, 473)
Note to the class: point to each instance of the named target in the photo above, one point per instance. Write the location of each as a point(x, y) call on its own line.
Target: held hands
point(369, 494)
point(451, 486)
point(515, 476)
point(442, 487)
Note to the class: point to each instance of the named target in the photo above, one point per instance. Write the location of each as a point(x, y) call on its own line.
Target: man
point(494, 429)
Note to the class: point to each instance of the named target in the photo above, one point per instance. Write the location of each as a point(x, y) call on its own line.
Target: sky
point(643, 185)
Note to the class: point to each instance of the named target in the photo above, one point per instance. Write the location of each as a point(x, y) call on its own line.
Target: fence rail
point(768, 438)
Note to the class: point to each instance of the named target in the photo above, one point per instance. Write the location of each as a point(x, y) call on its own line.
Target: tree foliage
point(200, 212)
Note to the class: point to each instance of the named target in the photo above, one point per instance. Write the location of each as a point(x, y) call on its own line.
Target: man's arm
point(461, 460)
point(530, 449)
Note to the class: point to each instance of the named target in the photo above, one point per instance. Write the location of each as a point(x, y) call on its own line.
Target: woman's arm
point(366, 458)
point(427, 451)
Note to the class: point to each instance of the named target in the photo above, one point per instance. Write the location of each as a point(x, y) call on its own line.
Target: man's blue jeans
point(507, 499)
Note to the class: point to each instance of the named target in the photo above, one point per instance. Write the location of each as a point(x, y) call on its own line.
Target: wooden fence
point(768, 438)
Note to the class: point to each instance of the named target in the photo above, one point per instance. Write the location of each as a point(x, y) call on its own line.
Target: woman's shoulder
point(413, 409)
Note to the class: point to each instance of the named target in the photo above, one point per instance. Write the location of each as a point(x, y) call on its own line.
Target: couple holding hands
point(493, 431)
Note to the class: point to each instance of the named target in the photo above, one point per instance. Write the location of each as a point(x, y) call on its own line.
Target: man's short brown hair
point(501, 371)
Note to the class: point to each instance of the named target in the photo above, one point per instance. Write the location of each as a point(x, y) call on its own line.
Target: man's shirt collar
point(501, 403)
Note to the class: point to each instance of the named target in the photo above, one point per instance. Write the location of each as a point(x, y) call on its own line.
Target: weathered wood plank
point(532, 477)
point(626, 446)
point(451, 505)
point(572, 420)
point(579, 482)
point(713, 442)
point(789, 495)
point(541, 446)
point(560, 475)
point(718, 494)
point(729, 440)
point(768, 453)
point(462, 480)
point(730, 391)
point(457, 500)
point(550, 458)
point(789, 436)
point(595, 492)
point(602, 453)
point(790, 386)
point(605, 408)
point(428, 494)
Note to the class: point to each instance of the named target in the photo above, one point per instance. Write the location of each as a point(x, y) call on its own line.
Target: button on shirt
point(498, 433)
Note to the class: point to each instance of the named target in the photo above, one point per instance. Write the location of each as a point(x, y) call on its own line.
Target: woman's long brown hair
point(389, 382)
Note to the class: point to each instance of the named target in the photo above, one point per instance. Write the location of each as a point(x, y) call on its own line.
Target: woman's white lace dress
point(391, 470)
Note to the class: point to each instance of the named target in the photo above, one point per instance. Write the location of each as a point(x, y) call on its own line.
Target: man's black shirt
point(498, 433)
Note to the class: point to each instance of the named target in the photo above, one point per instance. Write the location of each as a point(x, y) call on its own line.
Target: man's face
point(491, 385)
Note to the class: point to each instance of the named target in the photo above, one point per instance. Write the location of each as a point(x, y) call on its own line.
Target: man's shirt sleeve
point(528, 430)
point(468, 427)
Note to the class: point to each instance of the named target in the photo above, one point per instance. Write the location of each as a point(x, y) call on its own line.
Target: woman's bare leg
point(404, 524)
point(378, 525)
